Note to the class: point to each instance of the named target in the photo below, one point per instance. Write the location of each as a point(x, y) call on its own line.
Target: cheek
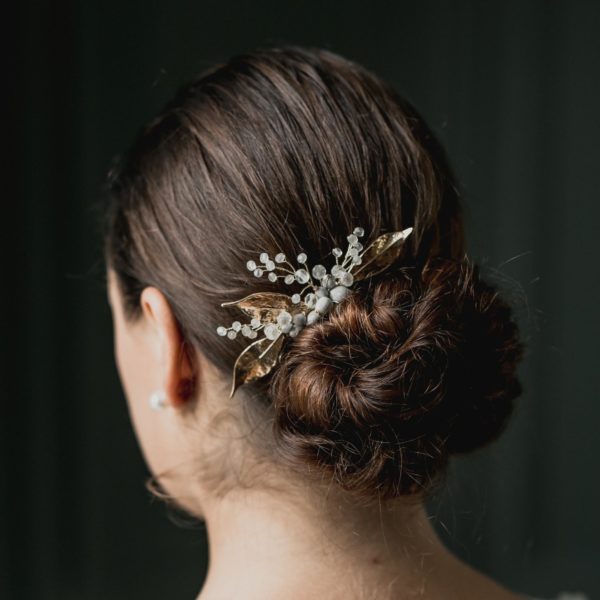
point(132, 365)
point(139, 378)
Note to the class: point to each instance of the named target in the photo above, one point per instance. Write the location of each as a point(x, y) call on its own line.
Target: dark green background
point(512, 88)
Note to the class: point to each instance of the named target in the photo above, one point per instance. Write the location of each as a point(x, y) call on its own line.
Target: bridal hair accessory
point(158, 400)
point(278, 315)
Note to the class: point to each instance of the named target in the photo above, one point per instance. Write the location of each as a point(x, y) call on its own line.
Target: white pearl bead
point(158, 400)
point(313, 317)
point(319, 271)
point(347, 279)
point(271, 331)
point(339, 292)
point(301, 276)
point(284, 317)
point(328, 281)
point(323, 304)
point(299, 320)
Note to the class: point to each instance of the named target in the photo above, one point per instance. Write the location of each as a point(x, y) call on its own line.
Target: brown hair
point(287, 149)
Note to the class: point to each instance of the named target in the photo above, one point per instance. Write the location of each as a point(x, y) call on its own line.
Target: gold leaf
point(265, 305)
point(255, 361)
point(381, 253)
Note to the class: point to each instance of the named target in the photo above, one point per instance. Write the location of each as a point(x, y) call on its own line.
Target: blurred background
point(512, 89)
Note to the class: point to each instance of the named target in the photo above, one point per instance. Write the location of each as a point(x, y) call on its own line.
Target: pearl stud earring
point(158, 400)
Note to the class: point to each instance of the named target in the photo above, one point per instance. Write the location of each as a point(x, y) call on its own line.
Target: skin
point(276, 537)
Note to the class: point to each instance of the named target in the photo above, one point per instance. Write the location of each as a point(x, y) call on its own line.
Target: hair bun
point(408, 370)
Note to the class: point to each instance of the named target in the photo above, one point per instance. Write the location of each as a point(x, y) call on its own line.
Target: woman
point(308, 451)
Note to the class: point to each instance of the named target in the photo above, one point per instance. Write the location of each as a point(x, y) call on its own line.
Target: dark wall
point(512, 89)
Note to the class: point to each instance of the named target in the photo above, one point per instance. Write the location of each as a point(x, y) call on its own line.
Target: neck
point(271, 545)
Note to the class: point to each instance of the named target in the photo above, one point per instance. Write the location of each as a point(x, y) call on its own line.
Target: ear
point(174, 354)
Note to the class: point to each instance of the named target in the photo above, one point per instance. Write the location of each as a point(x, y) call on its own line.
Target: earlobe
point(177, 365)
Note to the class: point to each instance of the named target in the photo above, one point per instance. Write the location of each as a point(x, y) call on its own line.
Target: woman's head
point(287, 149)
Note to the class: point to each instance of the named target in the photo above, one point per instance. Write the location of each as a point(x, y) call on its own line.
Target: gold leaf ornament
point(263, 305)
point(255, 361)
point(381, 253)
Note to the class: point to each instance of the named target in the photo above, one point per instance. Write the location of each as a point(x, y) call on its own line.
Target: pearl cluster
point(332, 288)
